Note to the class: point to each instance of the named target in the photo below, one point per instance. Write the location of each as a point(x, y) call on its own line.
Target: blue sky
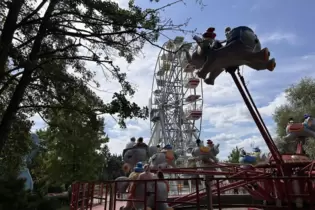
point(283, 28)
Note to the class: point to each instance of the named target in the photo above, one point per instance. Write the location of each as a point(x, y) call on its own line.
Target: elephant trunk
point(188, 56)
point(126, 167)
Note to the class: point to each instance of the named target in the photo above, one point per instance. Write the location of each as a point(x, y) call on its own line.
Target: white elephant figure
point(198, 58)
point(206, 154)
point(138, 192)
point(301, 130)
point(142, 153)
point(242, 48)
point(203, 156)
point(135, 154)
point(163, 158)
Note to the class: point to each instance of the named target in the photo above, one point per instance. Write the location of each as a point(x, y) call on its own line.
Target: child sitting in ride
point(168, 151)
point(204, 149)
point(207, 40)
point(133, 176)
point(307, 121)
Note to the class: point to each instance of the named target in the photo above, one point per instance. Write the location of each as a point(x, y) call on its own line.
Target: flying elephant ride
point(156, 157)
point(242, 47)
point(136, 190)
point(300, 131)
point(163, 158)
point(203, 156)
point(249, 159)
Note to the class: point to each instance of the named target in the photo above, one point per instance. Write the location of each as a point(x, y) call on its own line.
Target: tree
point(113, 168)
point(72, 141)
point(18, 144)
point(47, 45)
point(234, 156)
point(300, 100)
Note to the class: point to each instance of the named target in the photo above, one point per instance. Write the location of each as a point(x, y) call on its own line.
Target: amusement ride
point(282, 181)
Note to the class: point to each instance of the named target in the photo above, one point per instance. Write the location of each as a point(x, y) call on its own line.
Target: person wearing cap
point(133, 176)
point(206, 41)
point(209, 143)
point(307, 121)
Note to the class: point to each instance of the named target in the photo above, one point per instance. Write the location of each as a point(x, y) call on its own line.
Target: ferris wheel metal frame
point(176, 99)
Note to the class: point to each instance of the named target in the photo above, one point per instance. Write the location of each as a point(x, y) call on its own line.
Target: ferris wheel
point(176, 99)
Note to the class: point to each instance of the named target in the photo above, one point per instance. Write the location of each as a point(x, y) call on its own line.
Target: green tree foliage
point(234, 156)
point(113, 167)
point(72, 141)
point(47, 38)
point(300, 100)
point(18, 143)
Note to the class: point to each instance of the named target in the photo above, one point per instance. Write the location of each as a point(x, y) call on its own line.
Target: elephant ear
point(153, 150)
point(153, 158)
point(122, 186)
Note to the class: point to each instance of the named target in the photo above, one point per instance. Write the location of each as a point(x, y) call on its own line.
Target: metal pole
point(209, 193)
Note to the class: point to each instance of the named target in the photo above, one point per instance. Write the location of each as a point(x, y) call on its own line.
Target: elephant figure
point(300, 130)
point(250, 158)
point(202, 156)
point(242, 48)
point(163, 158)
point(142, 153)
point(137, 191)
point(206, 154)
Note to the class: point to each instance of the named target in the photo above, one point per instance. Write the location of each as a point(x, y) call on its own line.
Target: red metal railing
point(267, 188)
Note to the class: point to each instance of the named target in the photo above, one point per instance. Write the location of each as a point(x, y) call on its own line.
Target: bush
point(14, 197)
point(56, 189)
point(49, 204)
point(12, 194)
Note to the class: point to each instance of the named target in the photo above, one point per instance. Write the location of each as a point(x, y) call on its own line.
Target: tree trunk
point(7, 34)
point(18, 94)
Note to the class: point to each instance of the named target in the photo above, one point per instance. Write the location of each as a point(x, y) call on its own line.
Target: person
point(291, 121)
point(133, 176)
point(160, 176)
point(140, 142)
point(209, 143)
point(207, 41)
point(307, 121)
point(146, 174)
point(131, 143)
point(158, 148)
point(198, 142)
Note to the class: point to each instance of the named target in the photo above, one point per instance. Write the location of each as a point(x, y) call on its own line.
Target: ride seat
point(204, 149)
point(296, 127)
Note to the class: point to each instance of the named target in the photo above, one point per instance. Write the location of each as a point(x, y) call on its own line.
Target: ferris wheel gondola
point(176, 100)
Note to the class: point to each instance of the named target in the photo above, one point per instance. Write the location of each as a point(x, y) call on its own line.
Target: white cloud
point(278, 37)
point(270, 108)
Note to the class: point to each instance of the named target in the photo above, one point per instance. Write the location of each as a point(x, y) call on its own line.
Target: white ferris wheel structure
point(176, 99)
